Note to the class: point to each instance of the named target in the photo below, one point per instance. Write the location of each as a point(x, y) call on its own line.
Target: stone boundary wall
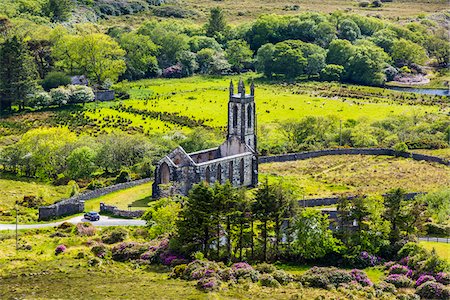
point(120, 213)
point(335, 200)
point(104, 95)
point(75, 204)
point(351, 151)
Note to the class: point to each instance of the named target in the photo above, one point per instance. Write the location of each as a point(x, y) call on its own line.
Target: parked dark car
point(92, 216)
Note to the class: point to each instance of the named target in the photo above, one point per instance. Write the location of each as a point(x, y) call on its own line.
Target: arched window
point(165, 173)
point(219, 174)
point(235, 115)
point(230, 171)
point(249, 116)
point(208, 175)
point(241, 171)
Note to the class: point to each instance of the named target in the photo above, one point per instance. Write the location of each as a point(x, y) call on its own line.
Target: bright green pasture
point(205, 98)
point(137, 197)
point(352, 174)
point(13, 190)
point(442, 249)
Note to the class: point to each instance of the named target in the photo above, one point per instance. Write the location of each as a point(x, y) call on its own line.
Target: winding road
point(104, 221)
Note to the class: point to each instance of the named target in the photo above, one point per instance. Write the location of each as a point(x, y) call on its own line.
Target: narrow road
point(104, 221)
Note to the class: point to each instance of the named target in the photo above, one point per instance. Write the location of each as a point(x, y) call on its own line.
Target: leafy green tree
point(81, 163)
point(385, 39)
point(407, 52)
point(212, 62)
point(217, 24)
point(57, 10)
point(266, 29)
point(332, 73)
point(314, 239)
point(264, 59)
point(199, 42)
point(17, 73)
point(349, 30)
point(42, 54)
point(288, 59)
point(95, 54)
point(170, 43)
point(367, 65)
point(438, 205)
point(340, 52)
point(393, 213)
point(162, 217)
point(439, 47)
point(238, 54)
point(140, 55)
point(188, 61)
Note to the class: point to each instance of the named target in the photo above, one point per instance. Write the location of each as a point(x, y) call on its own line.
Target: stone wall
point(335, 200)
point(120, 213)
point(75, 204)
point(351, 151)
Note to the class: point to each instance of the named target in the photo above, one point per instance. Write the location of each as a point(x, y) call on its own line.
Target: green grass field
point(442, 249)
point(137, 197)
point(352, 174)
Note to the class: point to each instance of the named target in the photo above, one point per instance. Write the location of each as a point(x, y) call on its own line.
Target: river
point(437, 92)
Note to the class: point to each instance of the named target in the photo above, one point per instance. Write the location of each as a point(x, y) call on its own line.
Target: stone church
point(235, 160)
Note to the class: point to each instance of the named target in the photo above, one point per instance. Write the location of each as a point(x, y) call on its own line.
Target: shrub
point(99, 250)
point(40, 99)
point(269, 281)
point(399, 280)
point(80, 94)
point(31, 201)
point(323, 277)
point(172, 11)
point(443, 278)
point(376, 3)
point(433, 290)
point(55, 79)
point(423, 278)
point(363, 4)
point(208, 284)
point(282, 277)
point(178, 271)
point(85, 229)
point(361, 277)
point(226, 274)
point(399, 269)
point(196, 269)
point(437, 229)
point(265, 268)
point(60, 249)
point(434, 264)
point(128, 251)
point(400, 147)
point(410, 249)
point(60, 96)
point(114, 236)
point(124, 176)
point(243, 270)
point(386, 287)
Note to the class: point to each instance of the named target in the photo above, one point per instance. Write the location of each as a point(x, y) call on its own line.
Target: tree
point(199, 42)
point(57, 10)
point(367, 65)
point(349, 30)
point(263, 210)
point(194, 225)
point(17, 73)
point(385, 39)
point(81, 163)
point(162, 217)
point(288, 59)
point(95, 54)
point(264, 59)
point(216, 25)
point(439, 47)
point(188, 62)
point(407, 52)
point(140, 56)
point(313, 237)
point(339, 52)
point(42, 54)
point(332, 73)
point(372, 231)
point(238, 54)
point(393, 202)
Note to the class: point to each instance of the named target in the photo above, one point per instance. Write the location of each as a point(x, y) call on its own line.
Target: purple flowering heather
point(361, 277)
point(241, 265)
point(60, 249)
point(399, 269)
point(404, 261)
point(423, 278)
point(399, 280)
point(443, 278)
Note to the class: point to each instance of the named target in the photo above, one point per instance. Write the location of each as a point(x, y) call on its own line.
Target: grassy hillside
point(351, 174)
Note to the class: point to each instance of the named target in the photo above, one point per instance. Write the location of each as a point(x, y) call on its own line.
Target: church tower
point(242, 115)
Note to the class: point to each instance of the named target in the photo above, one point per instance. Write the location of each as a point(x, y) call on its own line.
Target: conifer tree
point(17, 73)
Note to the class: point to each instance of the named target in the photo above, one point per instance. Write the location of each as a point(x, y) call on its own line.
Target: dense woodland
point(337, 47)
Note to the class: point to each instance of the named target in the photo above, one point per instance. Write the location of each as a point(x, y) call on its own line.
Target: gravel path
point(104, 221)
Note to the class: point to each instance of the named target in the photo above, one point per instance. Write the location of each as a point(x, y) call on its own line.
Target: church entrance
point(165, 173)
